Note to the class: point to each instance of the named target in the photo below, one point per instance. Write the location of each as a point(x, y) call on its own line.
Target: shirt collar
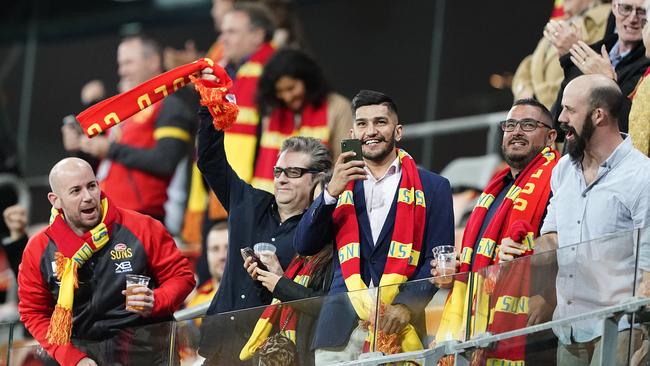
point(615, 56)
point(394, 168)
point(619, 154)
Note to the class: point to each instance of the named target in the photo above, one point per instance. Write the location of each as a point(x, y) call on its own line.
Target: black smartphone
point(352, 145)
point(249, 252)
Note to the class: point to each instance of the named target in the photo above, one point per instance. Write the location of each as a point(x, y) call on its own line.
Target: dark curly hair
point(295, 64)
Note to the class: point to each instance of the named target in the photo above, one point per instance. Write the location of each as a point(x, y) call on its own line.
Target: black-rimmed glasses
point(526, 124)
point(292, 171)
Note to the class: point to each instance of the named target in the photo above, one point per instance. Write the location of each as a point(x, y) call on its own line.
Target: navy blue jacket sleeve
point(315, 229)
point(439, 231)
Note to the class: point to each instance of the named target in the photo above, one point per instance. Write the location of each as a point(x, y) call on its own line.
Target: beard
point(576, 146)
point(520, 161)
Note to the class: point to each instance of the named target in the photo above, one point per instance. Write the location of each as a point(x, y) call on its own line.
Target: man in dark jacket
point(385, 216)
point(253, 216)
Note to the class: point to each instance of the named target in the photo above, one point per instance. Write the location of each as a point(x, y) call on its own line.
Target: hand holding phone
point(352, 145)
point(249, 252)
point(347, 167)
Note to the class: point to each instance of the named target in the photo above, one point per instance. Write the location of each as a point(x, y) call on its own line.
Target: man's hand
point(96, 146)
point(344, 173)
point(268, 279)
point(208, 74)
point(394, 319)
point(16, 220)
point(562, 35)
point(539, 311)
point(92, 92)
point(510, 249)
point(141, 298)
point(86, 362)
point(443, 282)
point(590, 62)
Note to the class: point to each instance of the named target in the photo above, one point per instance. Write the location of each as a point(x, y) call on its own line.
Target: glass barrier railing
point(6, 333)
point(542, 293)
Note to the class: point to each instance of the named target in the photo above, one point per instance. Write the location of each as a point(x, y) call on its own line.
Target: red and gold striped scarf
point(403, 254)
point(281, 126)
point(241, 139)
point(525, 201)
point(73, 252)
point(283, 317)
point(111, 111)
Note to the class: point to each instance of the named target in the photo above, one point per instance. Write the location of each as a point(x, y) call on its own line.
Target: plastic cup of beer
point(263, 247)
point(133, 282)
point(445, 255)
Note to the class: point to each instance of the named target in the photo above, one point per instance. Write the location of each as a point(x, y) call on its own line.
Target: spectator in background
point(295, 99)
point(539, 75)
point(80, 261)
point(91, 93)
point(246, 33)
point(288, 32)
point(15, 218)
point(217, 253)
point(640, 111)
point(140, 156)
point(528, 141)
point(619, 56)
point(384, 201)
point(600, 188)
point(254, 216)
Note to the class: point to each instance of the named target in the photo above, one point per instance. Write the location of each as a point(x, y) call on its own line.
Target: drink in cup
point(133, 282)
point(445, 255)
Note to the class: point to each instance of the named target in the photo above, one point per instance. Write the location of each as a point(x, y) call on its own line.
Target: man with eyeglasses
point(254, 216)
point(619, 56)
point(383, 215)
point(516, 197)
point(601, 188)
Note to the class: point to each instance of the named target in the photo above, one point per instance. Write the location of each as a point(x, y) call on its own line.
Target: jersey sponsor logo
point(121, 251)
point(123, 267)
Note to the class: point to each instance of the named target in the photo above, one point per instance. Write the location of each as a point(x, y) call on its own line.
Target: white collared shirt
point(379, 194)
point(600, 271)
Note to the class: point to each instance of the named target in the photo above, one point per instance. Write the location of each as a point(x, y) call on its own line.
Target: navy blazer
point(315, 230)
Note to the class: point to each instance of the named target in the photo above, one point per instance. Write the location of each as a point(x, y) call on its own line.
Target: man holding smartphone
point(382, 192)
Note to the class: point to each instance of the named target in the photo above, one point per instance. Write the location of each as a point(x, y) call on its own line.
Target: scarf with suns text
point(403, 255)
point(73, 252)
point(500, 295)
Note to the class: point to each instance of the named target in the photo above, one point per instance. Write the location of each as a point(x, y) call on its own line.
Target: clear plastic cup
point(264, 247)
point(445, 255)
point(132, 282)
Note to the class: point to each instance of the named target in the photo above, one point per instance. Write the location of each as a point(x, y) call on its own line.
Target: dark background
point(361, 44)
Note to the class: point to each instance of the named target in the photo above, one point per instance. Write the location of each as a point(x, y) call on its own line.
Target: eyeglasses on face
point(626, 10)
point(526, 124)
point(292, 171)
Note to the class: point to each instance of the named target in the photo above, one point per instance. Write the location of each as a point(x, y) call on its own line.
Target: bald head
point(598, 91)
point(64, 169)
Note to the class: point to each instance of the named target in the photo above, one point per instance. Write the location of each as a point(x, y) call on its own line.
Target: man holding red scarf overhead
point(388, 217)
point(512, 206)
point(72, 277)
